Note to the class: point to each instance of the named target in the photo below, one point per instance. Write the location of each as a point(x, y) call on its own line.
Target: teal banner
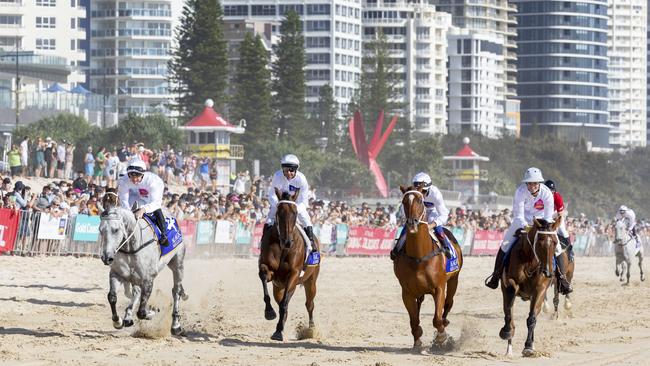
point(459, 234)
point(243, 236)
point(86, 228)
point(205, 232)
point(341, 234)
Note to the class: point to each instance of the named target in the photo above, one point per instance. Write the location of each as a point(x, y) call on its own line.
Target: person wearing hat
point(628, 216)
point(146, 189)
point(19, 191)
point(532, 200)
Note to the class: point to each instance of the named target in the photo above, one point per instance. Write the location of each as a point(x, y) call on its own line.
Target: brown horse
point(282, 256)
point(421, 269)
point(570, 268)
point(528, 275)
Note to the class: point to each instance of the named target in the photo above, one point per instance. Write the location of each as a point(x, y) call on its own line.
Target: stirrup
point(491, 282)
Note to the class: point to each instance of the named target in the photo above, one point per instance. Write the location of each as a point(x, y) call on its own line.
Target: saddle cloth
point(174, 236)
point(311, 259)
point(451, 264)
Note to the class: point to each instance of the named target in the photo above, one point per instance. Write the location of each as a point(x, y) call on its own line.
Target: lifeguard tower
point(466, 172)
point(208, 135)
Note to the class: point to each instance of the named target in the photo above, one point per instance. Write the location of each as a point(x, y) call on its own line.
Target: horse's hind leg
point(143, 312)
point(310, 294)
point(264, 275)
point(176, 265)
point(411, 305)
point(556, 301)
point(508, 331)
point(640, 255)
point(452, 286)
point(114, 283)
point(628, 265)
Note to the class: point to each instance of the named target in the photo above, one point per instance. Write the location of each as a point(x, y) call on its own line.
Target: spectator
point(80, 182)
point(47, 156)
point(53, 159)
point(89, 164)
point(60, 160)
point(18, 193)
point(6, 187)
point(39, 157)
point(111, 169)
point(100, 165)
point(14, 161)
point(69, 155)
point(24, 154)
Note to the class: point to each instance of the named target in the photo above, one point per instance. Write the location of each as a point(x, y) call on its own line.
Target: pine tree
point(199, 65)
point(252, 95)
point(289, 80)
point(327, 111)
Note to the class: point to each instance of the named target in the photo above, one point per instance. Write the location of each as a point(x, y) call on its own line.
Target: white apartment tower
point(417, 39)
point(476, 83)
point(332, 31)
point(47, 27)
point(130, 47)
point(627, 52)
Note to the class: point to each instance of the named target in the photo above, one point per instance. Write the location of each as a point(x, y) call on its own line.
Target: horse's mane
point(285, 196)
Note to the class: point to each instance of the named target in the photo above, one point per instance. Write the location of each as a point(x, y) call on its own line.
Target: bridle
point(533, 245)
point(414, 220)
point(127, 239)
point(277, 221)
point(619, 241)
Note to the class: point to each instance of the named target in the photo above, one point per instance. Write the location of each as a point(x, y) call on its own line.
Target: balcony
point(138, 12)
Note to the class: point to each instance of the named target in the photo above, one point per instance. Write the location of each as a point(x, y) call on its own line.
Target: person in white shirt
point(290, 180)
point(629, 218)
point(24, 154)
point(532, 200)
point(60, 160)
point(147, 190)
point(436, 214)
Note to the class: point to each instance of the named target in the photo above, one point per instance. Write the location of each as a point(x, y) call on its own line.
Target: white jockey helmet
point(136, 166)
point(290, 161)
point(422, 179)
point(622, 208)
point(533, 175)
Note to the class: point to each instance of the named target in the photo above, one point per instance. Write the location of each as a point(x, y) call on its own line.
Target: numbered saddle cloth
point(174, 236)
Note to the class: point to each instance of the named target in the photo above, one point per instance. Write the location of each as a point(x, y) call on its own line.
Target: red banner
point(8, 228)
point(188, 229)
point(257, 236)
point(486, 242)
point(368, 241)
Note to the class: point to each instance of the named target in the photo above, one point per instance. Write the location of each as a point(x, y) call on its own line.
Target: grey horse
point(130, 248)
point(625, 249)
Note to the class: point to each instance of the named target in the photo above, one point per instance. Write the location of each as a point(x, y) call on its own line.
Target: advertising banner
point(486, 242)
point(8, 229)
point(243, 236)
point(341, 234)
point(188, 229)
point(205, 232)
point(86, 228)
point(222, 232)
point(51, 227)
point(257, 236)
point(367, 241)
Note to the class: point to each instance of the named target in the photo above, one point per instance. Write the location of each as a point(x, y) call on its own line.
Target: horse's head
point(544, 239)
point(413, 204)
point(621, 236)
point(286, 216)
point(113, 229)
point(110, 198)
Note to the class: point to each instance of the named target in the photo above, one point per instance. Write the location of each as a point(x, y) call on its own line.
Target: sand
point(53, 310)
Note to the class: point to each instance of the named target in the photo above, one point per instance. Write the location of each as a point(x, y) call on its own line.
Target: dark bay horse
point(570, 269)
point(420, 270)
point(528, 275)
point(282, 257)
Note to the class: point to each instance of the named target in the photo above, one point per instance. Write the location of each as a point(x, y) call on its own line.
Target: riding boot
point(266, 232)
point(569, 253)
point(493, 281)
point(395, 251)
point(310, 234)
point(563, 284)
point(444, 241)
point(160, 223)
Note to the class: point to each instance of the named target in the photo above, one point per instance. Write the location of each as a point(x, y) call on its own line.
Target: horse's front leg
point(412, 305)
point(531, 321)
point(439, 299)
point(114, 283)
point(143, 312)
point(556, 300)
point(508, 331)
point(128, 312)
point(265, 277)
point(627, 273)
point(289, 289)
point(640, 255)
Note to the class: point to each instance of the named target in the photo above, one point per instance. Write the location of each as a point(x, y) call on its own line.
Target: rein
point(533, 245)
point(419, 220)
point(436, 251)
point(126, 240)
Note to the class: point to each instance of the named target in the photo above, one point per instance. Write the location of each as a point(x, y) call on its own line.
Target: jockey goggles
point(290, 168)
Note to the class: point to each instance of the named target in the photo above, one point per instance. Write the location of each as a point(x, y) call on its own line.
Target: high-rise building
point(417, 40)
point(562, 69)
point(130, 47)
point(648, 81)
point(476, 84)
point(627, 54)
point(489, 17)
point(332, 32)
point(47, 27)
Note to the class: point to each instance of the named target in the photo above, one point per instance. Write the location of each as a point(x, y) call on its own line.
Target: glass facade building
point(562, 69)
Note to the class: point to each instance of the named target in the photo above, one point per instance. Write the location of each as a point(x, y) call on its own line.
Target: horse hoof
point(505, 334)
point(528, 352)
point(417, 345)
point(445, 322)
point(440, 338)
point(177, 331)
point(546, 307)
point(269, 314)
point(567, 305)
point(642, 278)
point(117, 324)
point(127, 322)
point(617, 273)
point(184, 297)
point(277, 336)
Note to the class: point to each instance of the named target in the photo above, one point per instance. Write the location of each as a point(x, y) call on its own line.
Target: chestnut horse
point(528, 275)
point(282, 257)
point(420, 269)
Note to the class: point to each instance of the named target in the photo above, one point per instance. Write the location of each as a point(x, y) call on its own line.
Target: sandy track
point(54, 311)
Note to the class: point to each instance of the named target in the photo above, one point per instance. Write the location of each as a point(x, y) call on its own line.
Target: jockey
point(562, 232)
point(532, 199)
point(290, 180)
point(145, 188)
point(437, 214)
point(629, 218)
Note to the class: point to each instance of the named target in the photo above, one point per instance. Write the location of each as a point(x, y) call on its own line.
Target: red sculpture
point(367, 153)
